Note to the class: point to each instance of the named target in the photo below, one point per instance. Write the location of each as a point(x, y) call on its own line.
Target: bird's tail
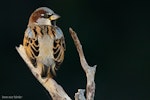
point(48, 71)
point(45, 71)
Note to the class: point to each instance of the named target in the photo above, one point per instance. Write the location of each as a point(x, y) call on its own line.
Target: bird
point(44, 41)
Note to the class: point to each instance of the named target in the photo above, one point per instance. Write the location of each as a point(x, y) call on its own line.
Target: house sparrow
point(44, 41)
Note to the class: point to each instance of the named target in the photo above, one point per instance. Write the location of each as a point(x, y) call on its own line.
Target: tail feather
point(45, 71)
point(48, 71)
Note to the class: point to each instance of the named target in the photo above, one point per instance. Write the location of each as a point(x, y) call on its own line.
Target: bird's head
point(43, 16)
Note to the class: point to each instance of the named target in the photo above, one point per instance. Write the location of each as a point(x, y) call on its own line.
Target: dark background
point(115, 35)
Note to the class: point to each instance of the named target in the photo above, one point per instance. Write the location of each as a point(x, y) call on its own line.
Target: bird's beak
point(54, 17)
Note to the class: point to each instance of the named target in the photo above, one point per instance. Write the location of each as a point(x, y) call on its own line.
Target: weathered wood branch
point(90, 71)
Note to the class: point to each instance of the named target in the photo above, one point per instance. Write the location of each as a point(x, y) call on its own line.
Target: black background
point(115, 35)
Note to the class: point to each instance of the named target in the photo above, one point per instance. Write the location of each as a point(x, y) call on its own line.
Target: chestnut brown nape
point(35, 15)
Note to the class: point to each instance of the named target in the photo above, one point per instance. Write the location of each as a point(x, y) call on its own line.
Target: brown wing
point(59, 48)
point(31, 45)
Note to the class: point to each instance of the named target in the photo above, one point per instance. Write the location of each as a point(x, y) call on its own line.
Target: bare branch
point(90, 71)
point(54, 89)
point(80, 94)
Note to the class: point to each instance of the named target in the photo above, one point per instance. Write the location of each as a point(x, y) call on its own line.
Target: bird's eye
point(45, 15)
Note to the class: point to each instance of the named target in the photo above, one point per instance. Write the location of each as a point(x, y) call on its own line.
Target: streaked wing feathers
point(31, 45)
point(59, 48)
